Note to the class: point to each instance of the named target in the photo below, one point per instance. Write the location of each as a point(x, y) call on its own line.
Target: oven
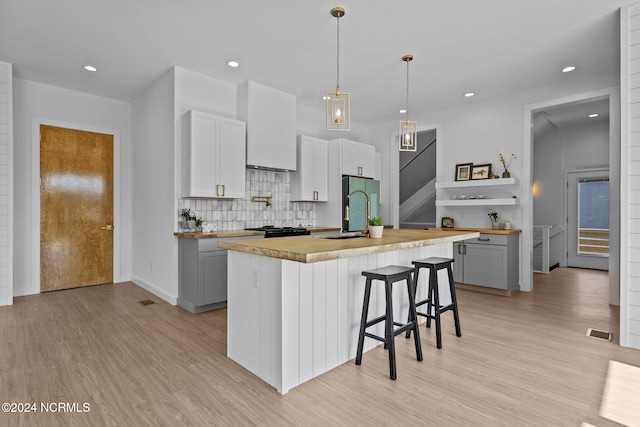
point(273, 231)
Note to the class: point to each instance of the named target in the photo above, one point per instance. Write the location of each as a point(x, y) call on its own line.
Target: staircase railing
point(547, 247)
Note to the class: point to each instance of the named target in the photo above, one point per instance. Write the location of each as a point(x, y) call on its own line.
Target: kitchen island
point(294, 303)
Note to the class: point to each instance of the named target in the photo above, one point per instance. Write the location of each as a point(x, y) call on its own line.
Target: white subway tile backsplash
point(239, 214)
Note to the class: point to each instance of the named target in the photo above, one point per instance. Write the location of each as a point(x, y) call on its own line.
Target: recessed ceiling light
point(592, 116)
point(402, 111)
point(568, 69)
point(469, 94)
point(233, 64)
point(90, 68)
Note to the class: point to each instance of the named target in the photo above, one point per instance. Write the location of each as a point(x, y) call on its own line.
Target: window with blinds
point(593, 217)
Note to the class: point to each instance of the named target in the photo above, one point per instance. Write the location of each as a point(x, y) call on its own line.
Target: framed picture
point(463, 171)
point(481, 172)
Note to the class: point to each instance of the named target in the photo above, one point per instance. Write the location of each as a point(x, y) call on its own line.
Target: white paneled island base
point(290, 321)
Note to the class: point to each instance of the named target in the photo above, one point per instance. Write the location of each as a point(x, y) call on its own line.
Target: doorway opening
point(417, 183)
point(569, 140)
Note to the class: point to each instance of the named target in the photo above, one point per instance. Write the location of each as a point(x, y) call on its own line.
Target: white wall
point(630, 182)
point(6, 184)
point(154, 255)
point(313, 122)
point(36, 103)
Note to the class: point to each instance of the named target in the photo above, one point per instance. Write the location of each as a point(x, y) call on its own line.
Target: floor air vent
point(600, 334)
point(146, 302)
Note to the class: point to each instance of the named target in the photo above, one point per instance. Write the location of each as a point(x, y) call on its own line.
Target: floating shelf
point(479, 202)
point(478, 183)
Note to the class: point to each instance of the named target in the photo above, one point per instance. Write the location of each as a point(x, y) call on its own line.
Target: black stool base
point(389, 275)
point(434, 264)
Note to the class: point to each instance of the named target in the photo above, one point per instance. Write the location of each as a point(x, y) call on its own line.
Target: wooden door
point(76, 208)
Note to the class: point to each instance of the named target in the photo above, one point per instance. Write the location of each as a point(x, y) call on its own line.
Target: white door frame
point(613, 94)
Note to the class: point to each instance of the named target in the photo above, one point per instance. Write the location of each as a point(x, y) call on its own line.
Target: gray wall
point(560, 150)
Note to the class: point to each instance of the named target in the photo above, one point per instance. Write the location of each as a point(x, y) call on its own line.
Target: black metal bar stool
point(433, 295)
point(389, 275)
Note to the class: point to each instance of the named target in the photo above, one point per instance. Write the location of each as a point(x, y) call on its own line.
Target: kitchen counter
point(480, 230)
point(309, 249)
point(294, 303)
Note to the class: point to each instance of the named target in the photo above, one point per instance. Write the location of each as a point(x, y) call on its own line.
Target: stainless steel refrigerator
point(357, 203)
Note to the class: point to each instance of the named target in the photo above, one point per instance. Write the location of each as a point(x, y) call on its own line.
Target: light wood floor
point(522, 361)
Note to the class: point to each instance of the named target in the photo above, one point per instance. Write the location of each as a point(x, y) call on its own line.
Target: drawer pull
point(485, 239)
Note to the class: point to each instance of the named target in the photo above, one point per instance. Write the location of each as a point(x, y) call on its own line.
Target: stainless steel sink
point(346, 235)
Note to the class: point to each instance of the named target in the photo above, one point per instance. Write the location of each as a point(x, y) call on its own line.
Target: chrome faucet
point(368, 214)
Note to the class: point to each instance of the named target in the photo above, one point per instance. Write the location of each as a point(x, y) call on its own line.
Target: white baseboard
point(24, 291)
point(171, 299)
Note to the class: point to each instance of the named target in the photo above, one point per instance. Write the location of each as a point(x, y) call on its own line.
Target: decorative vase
point(375, 231)
point(495, 225)
point(506, 174)
point(190, 225)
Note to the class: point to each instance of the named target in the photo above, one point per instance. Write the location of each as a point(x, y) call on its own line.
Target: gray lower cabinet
point(202, 273)
point(490, 260)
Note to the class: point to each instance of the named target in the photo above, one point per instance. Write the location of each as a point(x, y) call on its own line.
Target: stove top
point(273, 231)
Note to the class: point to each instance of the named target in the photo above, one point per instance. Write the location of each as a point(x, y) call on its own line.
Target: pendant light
point(338, 103)
point(407, 130)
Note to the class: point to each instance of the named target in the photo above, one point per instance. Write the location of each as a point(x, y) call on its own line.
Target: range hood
point(270, 115)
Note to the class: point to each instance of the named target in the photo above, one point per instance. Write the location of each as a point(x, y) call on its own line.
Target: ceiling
point(577, 113)
point(490, 47)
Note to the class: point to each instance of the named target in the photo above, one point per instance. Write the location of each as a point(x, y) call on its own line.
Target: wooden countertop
point(308, 249)
point(480, 230)
point(241, 233)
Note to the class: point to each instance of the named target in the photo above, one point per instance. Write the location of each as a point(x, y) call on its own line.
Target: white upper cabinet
point(358, 159)
point(214, 151)
point(309, 183)
point(271, 125)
